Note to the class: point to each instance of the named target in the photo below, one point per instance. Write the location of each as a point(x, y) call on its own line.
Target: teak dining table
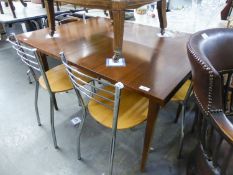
point(158, 63)
point(116, 8)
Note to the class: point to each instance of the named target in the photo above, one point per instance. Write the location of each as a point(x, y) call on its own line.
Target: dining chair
point(181, 97)
point(54, 80)
point(110, 105)
point(210, 54)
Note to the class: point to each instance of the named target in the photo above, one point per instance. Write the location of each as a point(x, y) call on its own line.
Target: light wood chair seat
point(132, 110)
point(181, 93)
point(58, 79)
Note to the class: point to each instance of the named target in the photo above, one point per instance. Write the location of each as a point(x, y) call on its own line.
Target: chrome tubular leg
point(195, 118)
point(79, 102)
point(93, 89)
point(182, 130)
point(28, 75)
point(52, 123)
point(55, 102)
point(178, 112)
point(79, 132)
point(112, 151)
point(36, 103)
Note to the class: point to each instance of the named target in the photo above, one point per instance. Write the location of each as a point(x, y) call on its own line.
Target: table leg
point(42, 3)
point(161, 7)
point(110, 14)
point(1, 9)
point(44, 61)
point(23, 3)
point(151, 120)
point(50, 13)
point(12, 7)
point(58, 5)
point(118, 29)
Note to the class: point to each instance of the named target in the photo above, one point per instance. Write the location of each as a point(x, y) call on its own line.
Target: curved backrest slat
point(107, 97)
point(31, 58)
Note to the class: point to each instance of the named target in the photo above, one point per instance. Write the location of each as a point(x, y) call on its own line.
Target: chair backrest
point(31, 58)
point(104, 96)
point(66, 18)
point(211, 55)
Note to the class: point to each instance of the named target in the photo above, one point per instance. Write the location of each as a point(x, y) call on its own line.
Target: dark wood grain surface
point(158, 63)
point(117, 9)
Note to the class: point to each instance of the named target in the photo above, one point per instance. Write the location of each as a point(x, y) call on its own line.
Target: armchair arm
point(223, 125)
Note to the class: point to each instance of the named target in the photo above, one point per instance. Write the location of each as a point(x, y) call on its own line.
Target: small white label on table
point(75, 121)
point(144, 88)
point(204, 36)
point(120, 63)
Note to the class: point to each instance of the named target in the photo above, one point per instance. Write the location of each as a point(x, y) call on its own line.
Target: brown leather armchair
point(211, 55)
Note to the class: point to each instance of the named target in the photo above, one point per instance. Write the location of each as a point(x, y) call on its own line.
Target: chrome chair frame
point(80, 89)
point(183, 110)
point(33, 60)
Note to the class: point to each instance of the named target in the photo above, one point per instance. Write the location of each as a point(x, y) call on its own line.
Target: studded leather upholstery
point(210, 53)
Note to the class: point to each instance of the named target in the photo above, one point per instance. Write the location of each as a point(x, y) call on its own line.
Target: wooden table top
point(160, 64)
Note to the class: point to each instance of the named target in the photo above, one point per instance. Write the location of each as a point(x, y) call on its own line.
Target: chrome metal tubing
point(107, 106)
point(182, 130)
point(178, 112)
point(82, 122)
point(36, 103)
point(70, 69)
point(90, 91)
point(114, 128)
point(183, 109)
point(55, 102)
point(28, 75)
point(52, 122)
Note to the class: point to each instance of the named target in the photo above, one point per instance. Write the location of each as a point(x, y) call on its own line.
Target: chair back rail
point(31, 58)
point(78, 80)
point(111, 102)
